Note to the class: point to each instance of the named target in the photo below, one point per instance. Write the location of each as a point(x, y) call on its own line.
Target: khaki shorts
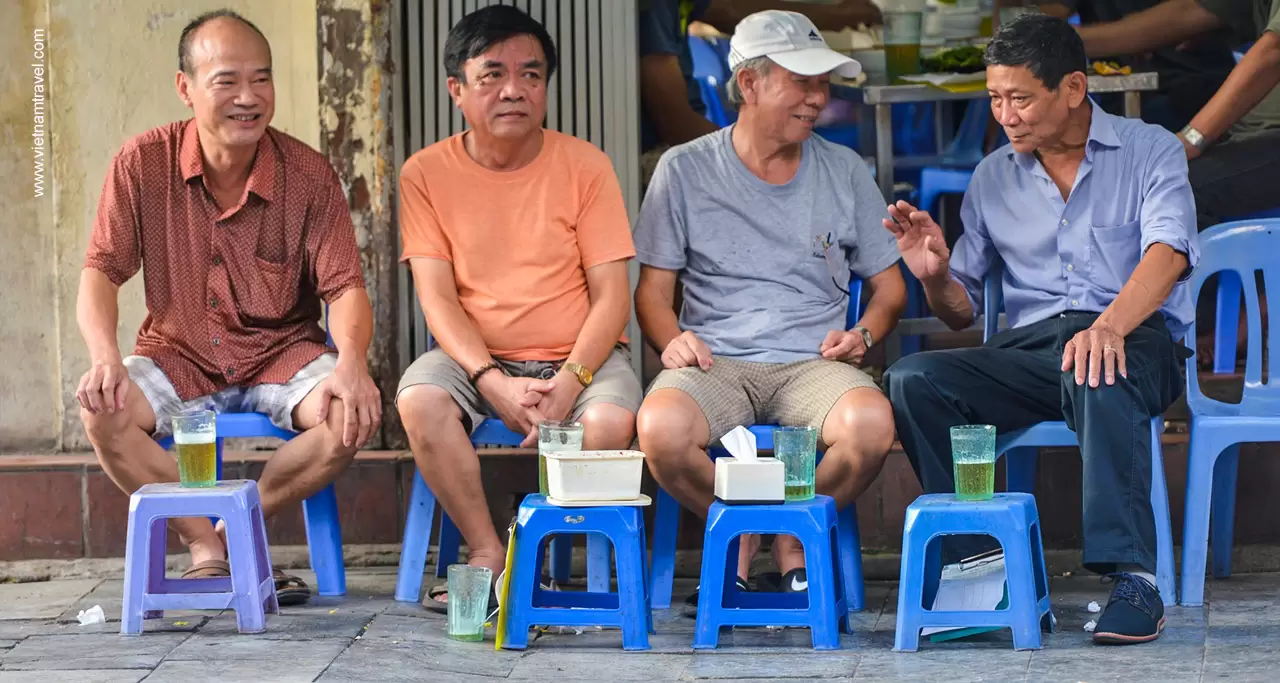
point(277, 401)
point(738, 392)
point(615, 382)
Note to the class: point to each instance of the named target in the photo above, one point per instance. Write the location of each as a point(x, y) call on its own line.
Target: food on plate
point(957, 60)
point(1111, 69)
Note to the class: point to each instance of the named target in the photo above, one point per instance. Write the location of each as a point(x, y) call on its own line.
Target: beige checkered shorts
point(277, 401)
point(737, 392)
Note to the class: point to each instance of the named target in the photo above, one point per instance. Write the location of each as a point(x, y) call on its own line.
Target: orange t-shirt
point(519, 241)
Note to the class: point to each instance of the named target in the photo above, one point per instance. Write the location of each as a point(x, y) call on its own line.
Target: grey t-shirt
point(1248, 20)
point(763, 266)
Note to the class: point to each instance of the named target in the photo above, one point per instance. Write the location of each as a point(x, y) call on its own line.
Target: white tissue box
point(750, 482)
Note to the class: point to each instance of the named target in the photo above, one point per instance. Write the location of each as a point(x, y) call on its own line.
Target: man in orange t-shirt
point(518, 240)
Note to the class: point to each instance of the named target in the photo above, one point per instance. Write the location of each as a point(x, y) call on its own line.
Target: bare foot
point(208, 548)
point(495, 560)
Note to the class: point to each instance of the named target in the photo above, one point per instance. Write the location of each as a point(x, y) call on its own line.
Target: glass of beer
point(194, 433)
point(973, 450)
point(797, 448)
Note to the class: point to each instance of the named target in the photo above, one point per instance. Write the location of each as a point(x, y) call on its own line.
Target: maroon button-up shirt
point(233, 298)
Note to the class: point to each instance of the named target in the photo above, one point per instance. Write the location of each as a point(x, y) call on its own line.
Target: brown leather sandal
point(209, 569)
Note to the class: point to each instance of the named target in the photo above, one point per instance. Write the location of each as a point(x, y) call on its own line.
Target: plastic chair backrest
point(1244, 247)
point(992, 300)
point(707, 63)
point(967, 144)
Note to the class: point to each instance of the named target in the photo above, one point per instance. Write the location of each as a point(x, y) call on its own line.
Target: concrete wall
point(109, 71)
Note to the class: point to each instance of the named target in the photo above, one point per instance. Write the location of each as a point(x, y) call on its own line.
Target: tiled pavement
point(367, 636)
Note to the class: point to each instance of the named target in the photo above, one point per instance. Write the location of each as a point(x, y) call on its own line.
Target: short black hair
point(1049, 47)
point(486, 27)
point(188, 32)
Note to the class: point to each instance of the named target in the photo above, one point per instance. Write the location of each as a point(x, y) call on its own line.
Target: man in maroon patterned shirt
point(242, 231)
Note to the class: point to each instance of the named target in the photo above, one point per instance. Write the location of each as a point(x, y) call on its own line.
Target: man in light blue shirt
point(1093, 219)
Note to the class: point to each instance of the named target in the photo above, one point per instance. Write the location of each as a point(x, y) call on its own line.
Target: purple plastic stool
point(250, 591)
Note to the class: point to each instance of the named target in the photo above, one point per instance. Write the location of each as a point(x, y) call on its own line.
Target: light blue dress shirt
point(1131, 191)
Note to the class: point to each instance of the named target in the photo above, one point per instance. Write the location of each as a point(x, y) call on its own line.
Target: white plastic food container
point(594, 475)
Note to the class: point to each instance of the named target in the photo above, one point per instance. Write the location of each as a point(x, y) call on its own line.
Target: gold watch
point(583, 374)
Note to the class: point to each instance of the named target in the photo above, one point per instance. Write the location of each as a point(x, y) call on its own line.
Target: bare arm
point(452, 329)
point(665, 97)
point(351, 325)
point(1164, 25)
point(1147, 289)
point(610, 293)
point(888, 300)
point(725, 14)
point(1249, 82)
point(655, 306)
point(97, 313)
point(949, 302)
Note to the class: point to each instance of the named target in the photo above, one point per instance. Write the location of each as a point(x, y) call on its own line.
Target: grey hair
point(733, 93)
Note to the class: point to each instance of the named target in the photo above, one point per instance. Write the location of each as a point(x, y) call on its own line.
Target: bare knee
point(341, 437)
point(607, 426)
point(864, 418)
point(669, 425)
point(105, 429)
point(427, 411)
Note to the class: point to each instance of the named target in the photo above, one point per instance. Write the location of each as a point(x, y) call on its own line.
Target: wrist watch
point(867, 341)
point(1194, 138)
point(581, 371)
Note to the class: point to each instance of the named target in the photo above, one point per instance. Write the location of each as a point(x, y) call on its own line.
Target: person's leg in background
point(1232, 179)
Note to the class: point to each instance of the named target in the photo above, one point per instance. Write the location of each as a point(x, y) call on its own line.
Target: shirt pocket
point(272, 294)
point(1114, 252)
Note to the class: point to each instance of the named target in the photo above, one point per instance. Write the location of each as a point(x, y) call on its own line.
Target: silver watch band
point(1194, 138)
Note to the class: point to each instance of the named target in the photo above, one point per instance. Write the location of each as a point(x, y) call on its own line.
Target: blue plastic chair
point(320, 511)
point(711, 72)
point(822, 608)
point(1217, 428)
point(1021, 449)
point(666, 523)
point(421, 516)
point(1010, 518)
point(627, 608)
point(1226, 330)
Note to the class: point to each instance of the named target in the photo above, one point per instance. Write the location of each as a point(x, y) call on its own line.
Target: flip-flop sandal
point(290, 590)
point(209, 569)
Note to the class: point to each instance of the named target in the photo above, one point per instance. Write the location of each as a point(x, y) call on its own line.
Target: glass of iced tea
point(194, 434)
point(973, 450)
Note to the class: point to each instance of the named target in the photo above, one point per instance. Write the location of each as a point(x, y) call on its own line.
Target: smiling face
point(503, 92)
point(783, 104)
point(1032, 115)
point(229, 88)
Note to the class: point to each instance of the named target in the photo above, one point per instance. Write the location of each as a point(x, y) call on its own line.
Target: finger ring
point(1109, 347)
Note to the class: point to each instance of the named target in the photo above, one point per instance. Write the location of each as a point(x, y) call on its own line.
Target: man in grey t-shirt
point(762, 224)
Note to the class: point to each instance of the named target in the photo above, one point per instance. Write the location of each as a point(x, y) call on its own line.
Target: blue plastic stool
point(319, 512)
point(1217, 429)
point(528, 604)
point(1226, 330)
point(720, 603)
point(1011, 518)
point(250, 590)
point(421, 516)
point(666, 531)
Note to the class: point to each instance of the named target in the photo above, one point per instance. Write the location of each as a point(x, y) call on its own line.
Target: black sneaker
point(690, 608)
point(1134, 614)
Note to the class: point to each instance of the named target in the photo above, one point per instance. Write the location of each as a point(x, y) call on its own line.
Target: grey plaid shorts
point(277, 401)
point(738, 392)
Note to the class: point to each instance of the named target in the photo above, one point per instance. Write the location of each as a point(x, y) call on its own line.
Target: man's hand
point(860, 12)
point(514, 400)
point(920, 241)
point(104, 387)
point(843, 345)
point(1097, 348)
point(1190, 149)
point(557, 402)
point(686, 351)
point(361, 401)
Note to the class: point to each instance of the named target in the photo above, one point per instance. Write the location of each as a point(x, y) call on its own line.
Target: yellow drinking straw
point(504, 586)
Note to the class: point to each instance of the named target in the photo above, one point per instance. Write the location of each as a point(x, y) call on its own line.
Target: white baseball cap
point(791, 41)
